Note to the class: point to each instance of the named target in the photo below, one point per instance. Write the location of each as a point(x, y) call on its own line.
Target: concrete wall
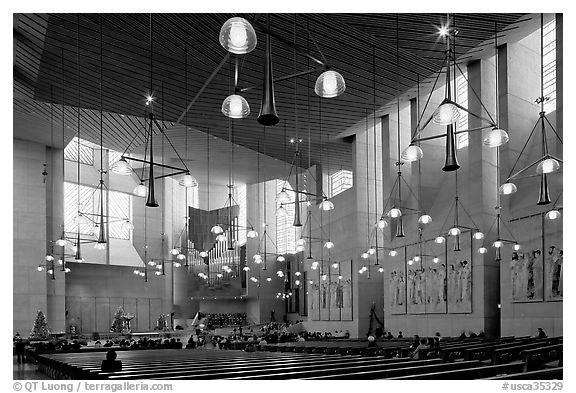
point(94, 292)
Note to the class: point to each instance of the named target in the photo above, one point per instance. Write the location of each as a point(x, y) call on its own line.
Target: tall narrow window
point(120, 208)
point(285, 232)
point(462, 99)
point(240, 198)
point(549, 63)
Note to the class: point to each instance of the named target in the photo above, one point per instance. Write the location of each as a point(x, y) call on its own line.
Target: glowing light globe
point(140, 190)
point(326, 205)
point(417, 258)
point(424, 219)
point(221, 238)
point(281, 259)
point(49, 258)
point(329, 245)
point(516, 247)
point(300, 248)
point(188, 181)
point(121, 167)
point(364, 255)
point(371, 251)
point(412, 153)
point(394, 212)
point(238, 36)
point(301, 242)
point(382, 223)
point(330, 84)
point(548, 165)
point(496, 137)
point(508, 188)
point(235, 107)
point(482, 250)
point(381, 270)
point(67, 270)
point(60, 242)
point(281, 211)
point(446, 114)
point(498, 243)
point(216, 229)
point(324, 277)
point(297, 282)
point(40, 268)
point(283, 197)
point(174, 251)
point(251, 234)
point(436, 260)
point(181, 257)
point(335, 265)
point(440, 239)
point(393, 253)
point(454, 231)
point(410, 262)
point(151, 263)
point(553, 214)
point(127, 225)
point(478, 235)
point(203, 254)
point(177, 264)
point(268, 279)
point(246, 268)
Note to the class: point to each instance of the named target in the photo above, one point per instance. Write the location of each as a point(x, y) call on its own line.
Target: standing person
point(20, 351)
point(541, 333)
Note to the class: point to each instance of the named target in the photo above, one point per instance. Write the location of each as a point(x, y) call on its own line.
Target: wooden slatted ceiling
point(350, 42)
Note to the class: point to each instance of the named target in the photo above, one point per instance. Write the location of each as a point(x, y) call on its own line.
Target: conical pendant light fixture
point(449, 111)
point(267, 115)
point(547, 163)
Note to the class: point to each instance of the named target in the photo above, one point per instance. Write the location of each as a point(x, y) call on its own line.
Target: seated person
point(400, 335)
point(250, 347)
point(481, 334)
point(372, 342)
point(541, 333)
point(111, 364)
point(178, 344)
point(415, 342)
point(462, 336)
point(97, 344)
point(416, 354)
point(472, 335)
point(389, 335)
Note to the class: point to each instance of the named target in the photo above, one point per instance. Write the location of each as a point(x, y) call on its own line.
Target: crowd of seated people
point(228, 319)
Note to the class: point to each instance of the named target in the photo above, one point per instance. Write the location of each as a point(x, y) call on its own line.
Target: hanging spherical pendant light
point(516, 247)
point(436, 260)
point(412, 153)
point(181, 257)
point(301, 242)
point(140, 190)
point(498, 243)
point(381, 270)
point(203, 254)
point(281, 211)
point(280, 258)
point(393, 253)
point(326, 205)
point(482, 250)
point(283, 197)
point(221, 238)
point(382, 223)
point(216, 229)
point(455, 231)
point(424, 219)
point(440, 239)
point(188, 181)
point(174, 251)
point(478, 235)
point(330, 84)
point(235, 107)
point(553, 214)
point(329, 244)
point(394, 212)
point(364, 255)
point(238, 36)
point(251, 234)
point(177, 264)
point(121, 167)
point(127, 225)
point(496, 137)
point(447, 113)
point(508, 188)
point(300, 248)
point(371, 251)
point(61, 242)
point(549, 165)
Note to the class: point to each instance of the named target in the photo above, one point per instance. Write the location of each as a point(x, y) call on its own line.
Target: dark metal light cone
point(78, 255)
point(151, 201)
point(267, 115)
point(451, 162)
point(498, 254)
point(457, 243)
point(399, 227)
point(297, 222)
point(544, 195)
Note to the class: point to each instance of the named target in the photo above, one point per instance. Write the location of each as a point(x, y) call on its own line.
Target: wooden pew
point(312, 372)
point(469, 373)
point(511, 353)
point(434, 366)
point(536, 358)
point(547, 374)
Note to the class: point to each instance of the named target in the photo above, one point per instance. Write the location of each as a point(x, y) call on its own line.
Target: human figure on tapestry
point(401, 288)
point(554, 261)
point(347, 293)
point(466, 282)
point(333, 301)
point(452, 283)
point(324, 287)
point(418, 286)
point(339, 295)
point(526, 272)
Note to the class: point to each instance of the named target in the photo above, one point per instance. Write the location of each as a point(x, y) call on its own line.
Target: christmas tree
point(40, 329)
point(118, 324)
